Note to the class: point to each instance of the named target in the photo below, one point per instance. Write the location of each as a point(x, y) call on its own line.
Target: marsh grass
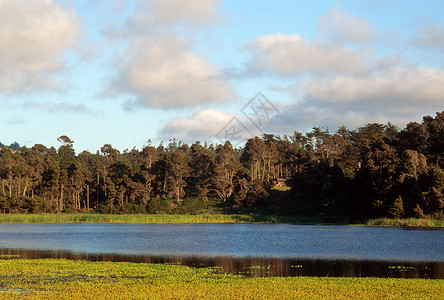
point(65, 279)
point(150, 218)
point(202, 218)
point(409, 222)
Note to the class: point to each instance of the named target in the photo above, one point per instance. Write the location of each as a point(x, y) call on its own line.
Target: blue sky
point(122, 72)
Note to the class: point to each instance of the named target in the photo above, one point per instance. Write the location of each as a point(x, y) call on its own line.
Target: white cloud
point(34, 36)
point(303, 116)
point(333, 52)
point(343, 80)
point(209, 125)
point(60, 107)
point(341, 27)
point(164, 72)
point(204, 124)
point(431, 37)
point(398, 95)
point(293, 55)
point(391, 90)
point(161, 12)
point(161, 68)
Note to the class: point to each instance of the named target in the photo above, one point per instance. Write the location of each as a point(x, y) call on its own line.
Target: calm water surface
point(295, 248)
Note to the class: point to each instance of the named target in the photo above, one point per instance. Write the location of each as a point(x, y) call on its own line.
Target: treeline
point(374, 171)
point(13, 146)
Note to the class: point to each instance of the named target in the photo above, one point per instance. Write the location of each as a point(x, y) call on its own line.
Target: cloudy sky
point(125, 71)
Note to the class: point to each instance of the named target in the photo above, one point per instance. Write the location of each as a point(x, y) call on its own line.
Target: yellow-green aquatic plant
point(65, 279)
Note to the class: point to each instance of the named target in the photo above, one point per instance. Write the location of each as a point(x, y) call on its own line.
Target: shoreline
point(207, 218)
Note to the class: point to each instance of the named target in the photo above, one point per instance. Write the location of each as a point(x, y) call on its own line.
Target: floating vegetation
point(296, 266)
point(268, 267)
point(7, 256)
point(65, 279)
point(402, 268)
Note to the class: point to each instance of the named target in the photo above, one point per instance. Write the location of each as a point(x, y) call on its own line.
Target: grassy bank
point(146, 218)
point(410, 222)
point(64, 279)
point(201, 218)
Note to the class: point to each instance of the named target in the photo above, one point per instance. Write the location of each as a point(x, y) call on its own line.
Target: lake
point(249, 249)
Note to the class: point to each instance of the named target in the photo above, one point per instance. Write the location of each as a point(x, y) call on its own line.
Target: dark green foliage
point(350, 175)
point(159, 205)
point(194, 205)
point(14, 146)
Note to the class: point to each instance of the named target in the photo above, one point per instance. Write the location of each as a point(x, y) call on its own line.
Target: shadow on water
point(259, 266)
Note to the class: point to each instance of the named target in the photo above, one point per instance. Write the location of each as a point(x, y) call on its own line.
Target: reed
point(409, 222)
point(202, 218)
point(65, 279)
point(149, 218)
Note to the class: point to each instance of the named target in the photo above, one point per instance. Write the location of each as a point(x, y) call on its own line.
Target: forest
point(374, 171)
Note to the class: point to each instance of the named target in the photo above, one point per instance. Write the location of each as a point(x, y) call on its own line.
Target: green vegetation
point(202, 218)
point(64, 279)
point(145, 218)
point(410, 222)
point(350, 176)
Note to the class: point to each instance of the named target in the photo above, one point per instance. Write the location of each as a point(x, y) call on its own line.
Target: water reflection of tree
point(258, 266)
